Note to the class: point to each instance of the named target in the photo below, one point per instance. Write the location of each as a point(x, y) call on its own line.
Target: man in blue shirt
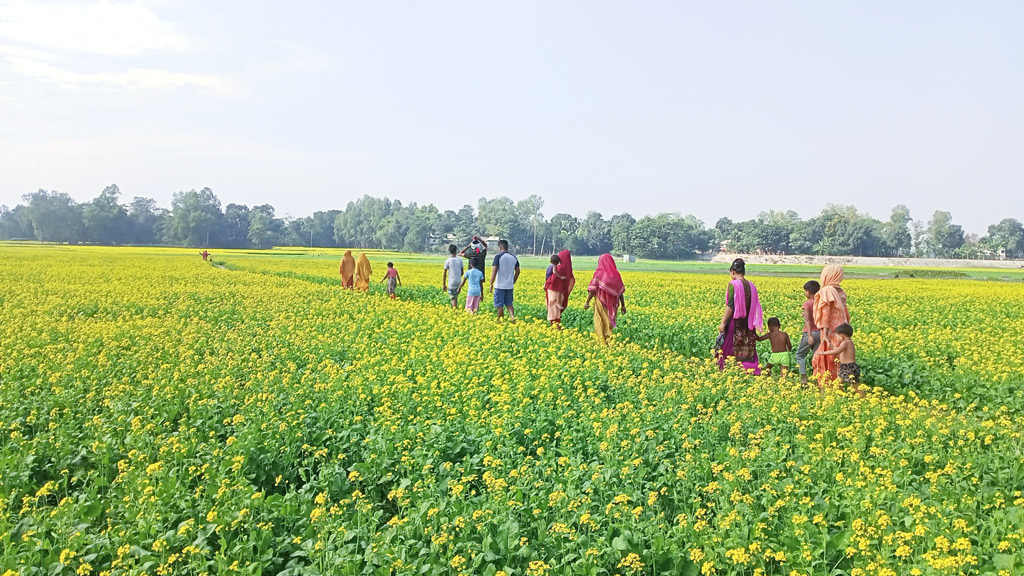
point(504, 275)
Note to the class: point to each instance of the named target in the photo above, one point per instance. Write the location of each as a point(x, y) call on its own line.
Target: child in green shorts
point(782, 349)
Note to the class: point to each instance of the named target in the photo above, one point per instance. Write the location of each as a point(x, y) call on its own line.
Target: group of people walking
point(827, 334)
point(357, 274)
point(605, 290)
point(827, 337)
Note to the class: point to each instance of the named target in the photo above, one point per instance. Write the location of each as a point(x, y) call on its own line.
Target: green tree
point(500, 217)
point(595, 233)
point(621, 229)
point(260, 229)
point(895, 234)
point(529, 211)
point(195, 216)
point(1008, 234)
point(563, 230)
point(943, 236)
point(465, 225)
point(106, 220)
point(15, 223)
point(54, 216)
point(235, 232)
point(145, 219)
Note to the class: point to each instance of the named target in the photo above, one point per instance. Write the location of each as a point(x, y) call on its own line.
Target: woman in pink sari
point(608, 291)
point(558, 286)
point(743, 318)
point(829, 312)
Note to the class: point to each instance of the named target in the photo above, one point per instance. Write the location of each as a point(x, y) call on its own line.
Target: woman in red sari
point(743, 317)
point(608, 292)
point(558, 286)
point(829, 312)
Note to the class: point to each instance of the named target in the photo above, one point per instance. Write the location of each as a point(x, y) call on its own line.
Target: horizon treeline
point(196, 219)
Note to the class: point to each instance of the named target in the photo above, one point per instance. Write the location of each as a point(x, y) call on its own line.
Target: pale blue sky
point(710, 108)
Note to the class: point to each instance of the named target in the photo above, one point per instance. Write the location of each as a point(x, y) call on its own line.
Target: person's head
point(845, 329)
point(453, 249)
point(555, 259)
point(738, 268)
point(811, 288)
point(391, 264)
point(503, 245)
point(774, 324)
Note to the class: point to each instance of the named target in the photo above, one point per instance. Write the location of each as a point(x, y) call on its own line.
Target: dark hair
point(503, 244)
point(555, 259)
point(774, 321)
point(391, 264)
point(845, 329)
point(812, 286)
point(739, 266)
point(452, 249)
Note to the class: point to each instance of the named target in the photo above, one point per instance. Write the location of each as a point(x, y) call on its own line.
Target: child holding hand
point(846, 351)
point(782, 348)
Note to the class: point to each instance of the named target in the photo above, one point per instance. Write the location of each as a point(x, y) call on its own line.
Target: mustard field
point(160, 415)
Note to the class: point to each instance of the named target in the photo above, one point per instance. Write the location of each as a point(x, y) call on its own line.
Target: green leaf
point(1004, 561)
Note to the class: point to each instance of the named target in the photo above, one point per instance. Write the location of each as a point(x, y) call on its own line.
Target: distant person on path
point(782, 347)
point(504, 275)
point(393, 280)
point(473, 281)
point(829, 312)
point(347, 270)
point(205, 255)
point(451, 280)
point(846, 356)
point(811, 337)
point(558, 286)
point(476, 251)
point(364, 273)
point(609, 295)
point(743, 317)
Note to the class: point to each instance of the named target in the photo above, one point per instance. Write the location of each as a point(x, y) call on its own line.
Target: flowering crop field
point(159, 415)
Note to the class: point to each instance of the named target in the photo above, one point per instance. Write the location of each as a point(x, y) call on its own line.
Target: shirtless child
point(849, 370)
point(782, 348)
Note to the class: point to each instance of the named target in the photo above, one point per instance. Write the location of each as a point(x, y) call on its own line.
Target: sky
point(705, 108)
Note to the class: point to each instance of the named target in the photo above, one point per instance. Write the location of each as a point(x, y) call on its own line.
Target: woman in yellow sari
point(347, 270)
point(363, 273)
point(608, 293)
point(829, 312)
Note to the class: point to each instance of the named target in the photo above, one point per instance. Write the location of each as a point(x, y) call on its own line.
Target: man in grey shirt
point(504, 275)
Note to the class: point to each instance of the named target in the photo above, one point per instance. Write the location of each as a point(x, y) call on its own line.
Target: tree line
point(196, 219)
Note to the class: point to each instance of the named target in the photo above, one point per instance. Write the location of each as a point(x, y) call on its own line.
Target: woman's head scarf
point(830, 301)
point(565, 269)
point(348, 268)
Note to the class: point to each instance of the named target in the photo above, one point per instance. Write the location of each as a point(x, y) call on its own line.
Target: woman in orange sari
point(608, 293)
point(829, 312)
point(347, 270)
point(558, 286)
point(363, 273)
